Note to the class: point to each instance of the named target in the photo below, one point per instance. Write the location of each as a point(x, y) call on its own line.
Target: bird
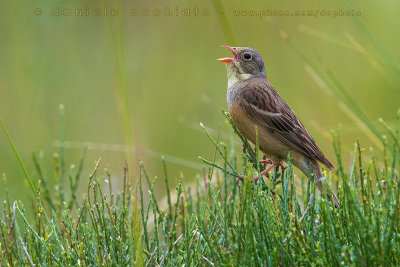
point(253, 101)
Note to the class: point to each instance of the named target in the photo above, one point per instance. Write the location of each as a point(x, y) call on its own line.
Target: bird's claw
point(265, 161)
point(264, 172)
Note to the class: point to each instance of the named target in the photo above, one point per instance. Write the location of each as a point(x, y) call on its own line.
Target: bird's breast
point(269, 144)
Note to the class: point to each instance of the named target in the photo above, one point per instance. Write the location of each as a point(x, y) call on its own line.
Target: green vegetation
point(278, 221)
point(120, 220)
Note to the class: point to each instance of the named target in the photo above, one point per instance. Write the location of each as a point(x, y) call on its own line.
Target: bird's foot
point(267, 170)
point(265, 161)
point(264, 172)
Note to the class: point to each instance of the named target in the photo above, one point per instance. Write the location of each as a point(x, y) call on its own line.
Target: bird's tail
point(316, 171)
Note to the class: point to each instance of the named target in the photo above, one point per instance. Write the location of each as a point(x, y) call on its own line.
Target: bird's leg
point(269, 161)
point(265, 161)
point(267, 170)
point(264, 172)
point(255, 179)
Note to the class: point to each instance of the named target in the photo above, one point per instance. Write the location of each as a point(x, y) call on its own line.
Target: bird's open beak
point(228, 59)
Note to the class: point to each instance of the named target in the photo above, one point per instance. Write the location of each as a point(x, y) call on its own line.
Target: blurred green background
point(173, 81)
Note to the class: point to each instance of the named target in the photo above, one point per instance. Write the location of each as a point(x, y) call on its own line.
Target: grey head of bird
point(246, 63)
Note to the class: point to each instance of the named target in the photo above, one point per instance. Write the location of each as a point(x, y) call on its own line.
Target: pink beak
point(228, 59)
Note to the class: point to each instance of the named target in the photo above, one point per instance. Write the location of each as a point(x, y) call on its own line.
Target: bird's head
point(245, 63)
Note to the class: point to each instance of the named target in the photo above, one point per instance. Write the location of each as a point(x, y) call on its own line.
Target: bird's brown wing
point(266, 107)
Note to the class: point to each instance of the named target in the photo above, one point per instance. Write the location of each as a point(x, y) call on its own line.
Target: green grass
point(278, 221)
point(282, 220)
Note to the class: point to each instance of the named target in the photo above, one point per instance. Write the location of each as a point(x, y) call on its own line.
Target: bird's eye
point(247, 56)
